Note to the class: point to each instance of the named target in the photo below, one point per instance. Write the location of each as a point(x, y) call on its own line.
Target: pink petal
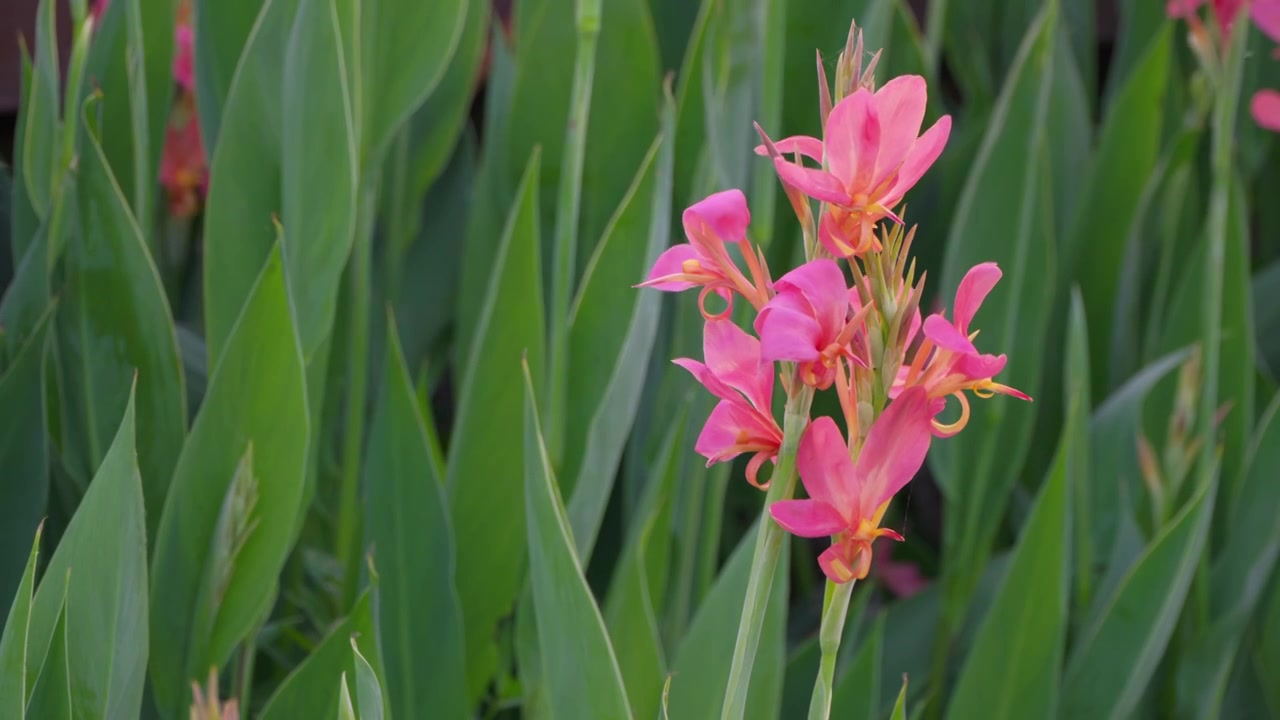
point(837, 562)
point(733, 357)
point(948, 336)
point(1265, 108)
point(845, 122)
point(1178, 9)
point(822, 284)
point(826, 469)
point(831, 233)
point(727, 425)
point(807, 518)
point(980, 367)
point(895, 448)
point(722, 217)
point(708, 379)
point(671, 263)
point(1266, 15)
point(809, 147)
point(814, 183)
point(786, 334)
point(183, 63)
point(973, 290)
point(900, 104)
point(919, 159)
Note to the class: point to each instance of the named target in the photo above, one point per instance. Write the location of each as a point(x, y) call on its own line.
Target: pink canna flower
point(873, 155)
point(183, 59)
point(743, 421)
point(704, 261)
point(947, 363)
point(848, 499)
point(807, 322)
point(1265, 108)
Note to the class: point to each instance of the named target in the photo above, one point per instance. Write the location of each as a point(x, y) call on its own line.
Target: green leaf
point(612, 327)
point(50, 696)
point(13, 643)
point(1113, 660)
point(1013, 668)
point(24, 487)
point(405, 49)
point(1127, 152)
point(578, 664)
point(900, 705)
point(1266, 319)
point(312, 689)
point(701, 668)
point(345, 709)
point(23, 220)
point(256, 399)
point(633, 602)
point(419, 618)
point(245, 171)
point(223, 35)
point(318, 166)
point(110, 349)
point(103, 556)
point(40, 120)
point(1004, 216)
point(858, 690)
point(368, 689)
point(485, 462)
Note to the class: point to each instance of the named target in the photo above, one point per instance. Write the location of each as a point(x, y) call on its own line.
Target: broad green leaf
point(255, 401)
point(116, 337)
point(51, 693)
point(437, 125)
point(1236, 370)
point(1013, 668)
point(1113, 442)
point(700, 671)
point(1075, 389)
point(900, 705)
point(1141, 21)
point(24, 486)
point(1266, 319)
point(13, 643)
point(40, 120)
point(245, 171)
point(26, 301)
point(407, 523)
point(311, 690)
point(369, 690)
point(1004, 216)
point(1126, 156)
point(578, 664)
point(1113, 660)
point(346, 711)
point(220, 38)
point(638, 587)
point(858, 690)
point(132, 59)
point(103, 556)
point(608, 360)
point(405, 48)
point(23, 221)
point(485, 460)
point(318, 166)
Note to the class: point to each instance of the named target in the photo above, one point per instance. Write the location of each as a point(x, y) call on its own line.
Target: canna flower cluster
point(1265, 14)
point(846, 321)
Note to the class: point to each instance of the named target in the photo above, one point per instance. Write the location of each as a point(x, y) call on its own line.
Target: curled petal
point(809, 147)
point(946, 430)
point(973, 289)
point(808, 518)
point(724, 294)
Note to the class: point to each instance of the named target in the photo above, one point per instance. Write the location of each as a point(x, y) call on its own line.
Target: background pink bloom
point(846, 499)
point(743, 420)
point(1265, 108)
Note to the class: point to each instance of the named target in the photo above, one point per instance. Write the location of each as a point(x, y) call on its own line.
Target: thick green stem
point(834, 608)
point(769, 538)
point(349, 508)
point(564, 267)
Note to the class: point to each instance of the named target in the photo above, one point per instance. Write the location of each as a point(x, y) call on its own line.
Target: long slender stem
point(349, 508)
point(765, 561)
point(564, 267)
point(834, 608)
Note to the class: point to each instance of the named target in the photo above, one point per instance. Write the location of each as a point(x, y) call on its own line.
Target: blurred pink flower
point(848, 499)
point(183, 62)
point(1265, 108)
point(947, 363)
point(807, 322)
point(743, 421)
point(873, 153)
point(704, 261)
point(902, 579)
